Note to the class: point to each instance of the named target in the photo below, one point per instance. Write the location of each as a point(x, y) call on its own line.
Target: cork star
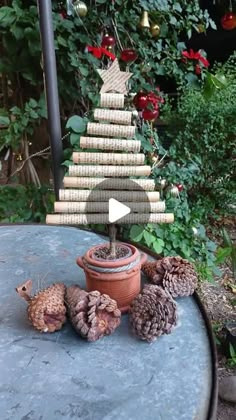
point(114, 79)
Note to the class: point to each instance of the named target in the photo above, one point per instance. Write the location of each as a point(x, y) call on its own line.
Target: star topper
point(114, 79)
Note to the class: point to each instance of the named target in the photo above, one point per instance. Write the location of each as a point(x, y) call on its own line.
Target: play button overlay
point(119, 201)
point(117, 210)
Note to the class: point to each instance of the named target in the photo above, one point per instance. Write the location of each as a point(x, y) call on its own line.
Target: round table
point(61, 376)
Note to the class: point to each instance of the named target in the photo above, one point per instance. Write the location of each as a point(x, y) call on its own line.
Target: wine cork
point(103, 207)
point(87, 170)
point(103, 218)
point(112, 100)
point(111, 130)
point(110, 144)
point(112, 183)
point(108, 158)
point(85, 195)
point(113, 116)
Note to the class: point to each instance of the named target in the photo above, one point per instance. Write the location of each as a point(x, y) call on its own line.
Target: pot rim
point(112, 263)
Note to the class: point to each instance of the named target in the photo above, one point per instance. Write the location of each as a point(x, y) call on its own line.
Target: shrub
point(202, 153)
point(25, 204)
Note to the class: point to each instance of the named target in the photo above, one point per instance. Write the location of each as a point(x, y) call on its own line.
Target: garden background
point(191, 144)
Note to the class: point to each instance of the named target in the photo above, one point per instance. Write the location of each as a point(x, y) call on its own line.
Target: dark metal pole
point(50, 80)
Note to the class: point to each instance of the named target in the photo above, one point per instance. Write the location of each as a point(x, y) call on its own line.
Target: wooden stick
point(102, 143)
point(103, 207)
point(84, 195)
point(94, 170)
point(113, 116)
point(85, 219)
point(111, 183)
point(108, 158)
point(111, 130)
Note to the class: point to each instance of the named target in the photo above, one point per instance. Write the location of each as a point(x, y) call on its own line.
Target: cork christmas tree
point(117, 170)
point(117, 160)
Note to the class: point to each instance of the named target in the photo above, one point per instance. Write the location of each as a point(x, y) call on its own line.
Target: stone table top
point(61, 376)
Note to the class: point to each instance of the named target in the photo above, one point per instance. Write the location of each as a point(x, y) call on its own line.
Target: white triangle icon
point(117, 210)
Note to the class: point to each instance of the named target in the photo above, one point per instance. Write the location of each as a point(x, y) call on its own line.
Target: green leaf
point(4, 120)
point(7, 16)
point(226, 238)
point(33, 103)
point(212, 24)
point(173, 20)
point(222, 254)
point(67, 163)
point(34, 115)
point(61, 41)
point(211, 246)
point(232, 351)
point(136, 233)
point(177, 7)
point(76, 124)
point(84, 71)
point(158, 246)
point(148, 237)
point(74, 139)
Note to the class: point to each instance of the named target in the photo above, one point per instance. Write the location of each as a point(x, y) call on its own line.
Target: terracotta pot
point(120, 278)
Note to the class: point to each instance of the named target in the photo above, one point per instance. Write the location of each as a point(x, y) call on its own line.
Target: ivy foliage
point(157, 58)
point(20, 204)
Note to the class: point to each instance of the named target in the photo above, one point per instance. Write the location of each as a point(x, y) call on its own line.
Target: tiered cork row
point(86, 193)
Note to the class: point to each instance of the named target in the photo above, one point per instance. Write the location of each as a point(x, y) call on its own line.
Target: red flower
point(191, 55)
point(148, 101)
point(98, 52)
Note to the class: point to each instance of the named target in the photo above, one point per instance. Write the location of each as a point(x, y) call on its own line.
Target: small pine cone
point(46, 310)
point(152, 313)
point(180, 278)
point(93, 315)
point(154, 272)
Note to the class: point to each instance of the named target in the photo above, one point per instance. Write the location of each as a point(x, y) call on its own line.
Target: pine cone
point(174, 274)
point(93, 315)
point(180, 278)
point(46, 310)
point(152, 313)
point(150, 270)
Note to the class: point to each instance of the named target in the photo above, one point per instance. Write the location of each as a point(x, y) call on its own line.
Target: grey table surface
point(60, 376)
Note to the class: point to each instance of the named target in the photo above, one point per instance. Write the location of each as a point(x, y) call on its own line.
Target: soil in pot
point(103, 253)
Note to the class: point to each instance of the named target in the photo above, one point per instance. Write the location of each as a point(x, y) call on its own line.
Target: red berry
point(180, 187)
point(198, 69)
point(128, 55)
point(228, 21)
point(150, 115)
point(108, 41)
point(63, 14)
point(140, 100)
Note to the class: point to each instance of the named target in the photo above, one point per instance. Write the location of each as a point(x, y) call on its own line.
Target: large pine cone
point(174, 274)
point(93, 315)
point(152, 313)
point(46, 310)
